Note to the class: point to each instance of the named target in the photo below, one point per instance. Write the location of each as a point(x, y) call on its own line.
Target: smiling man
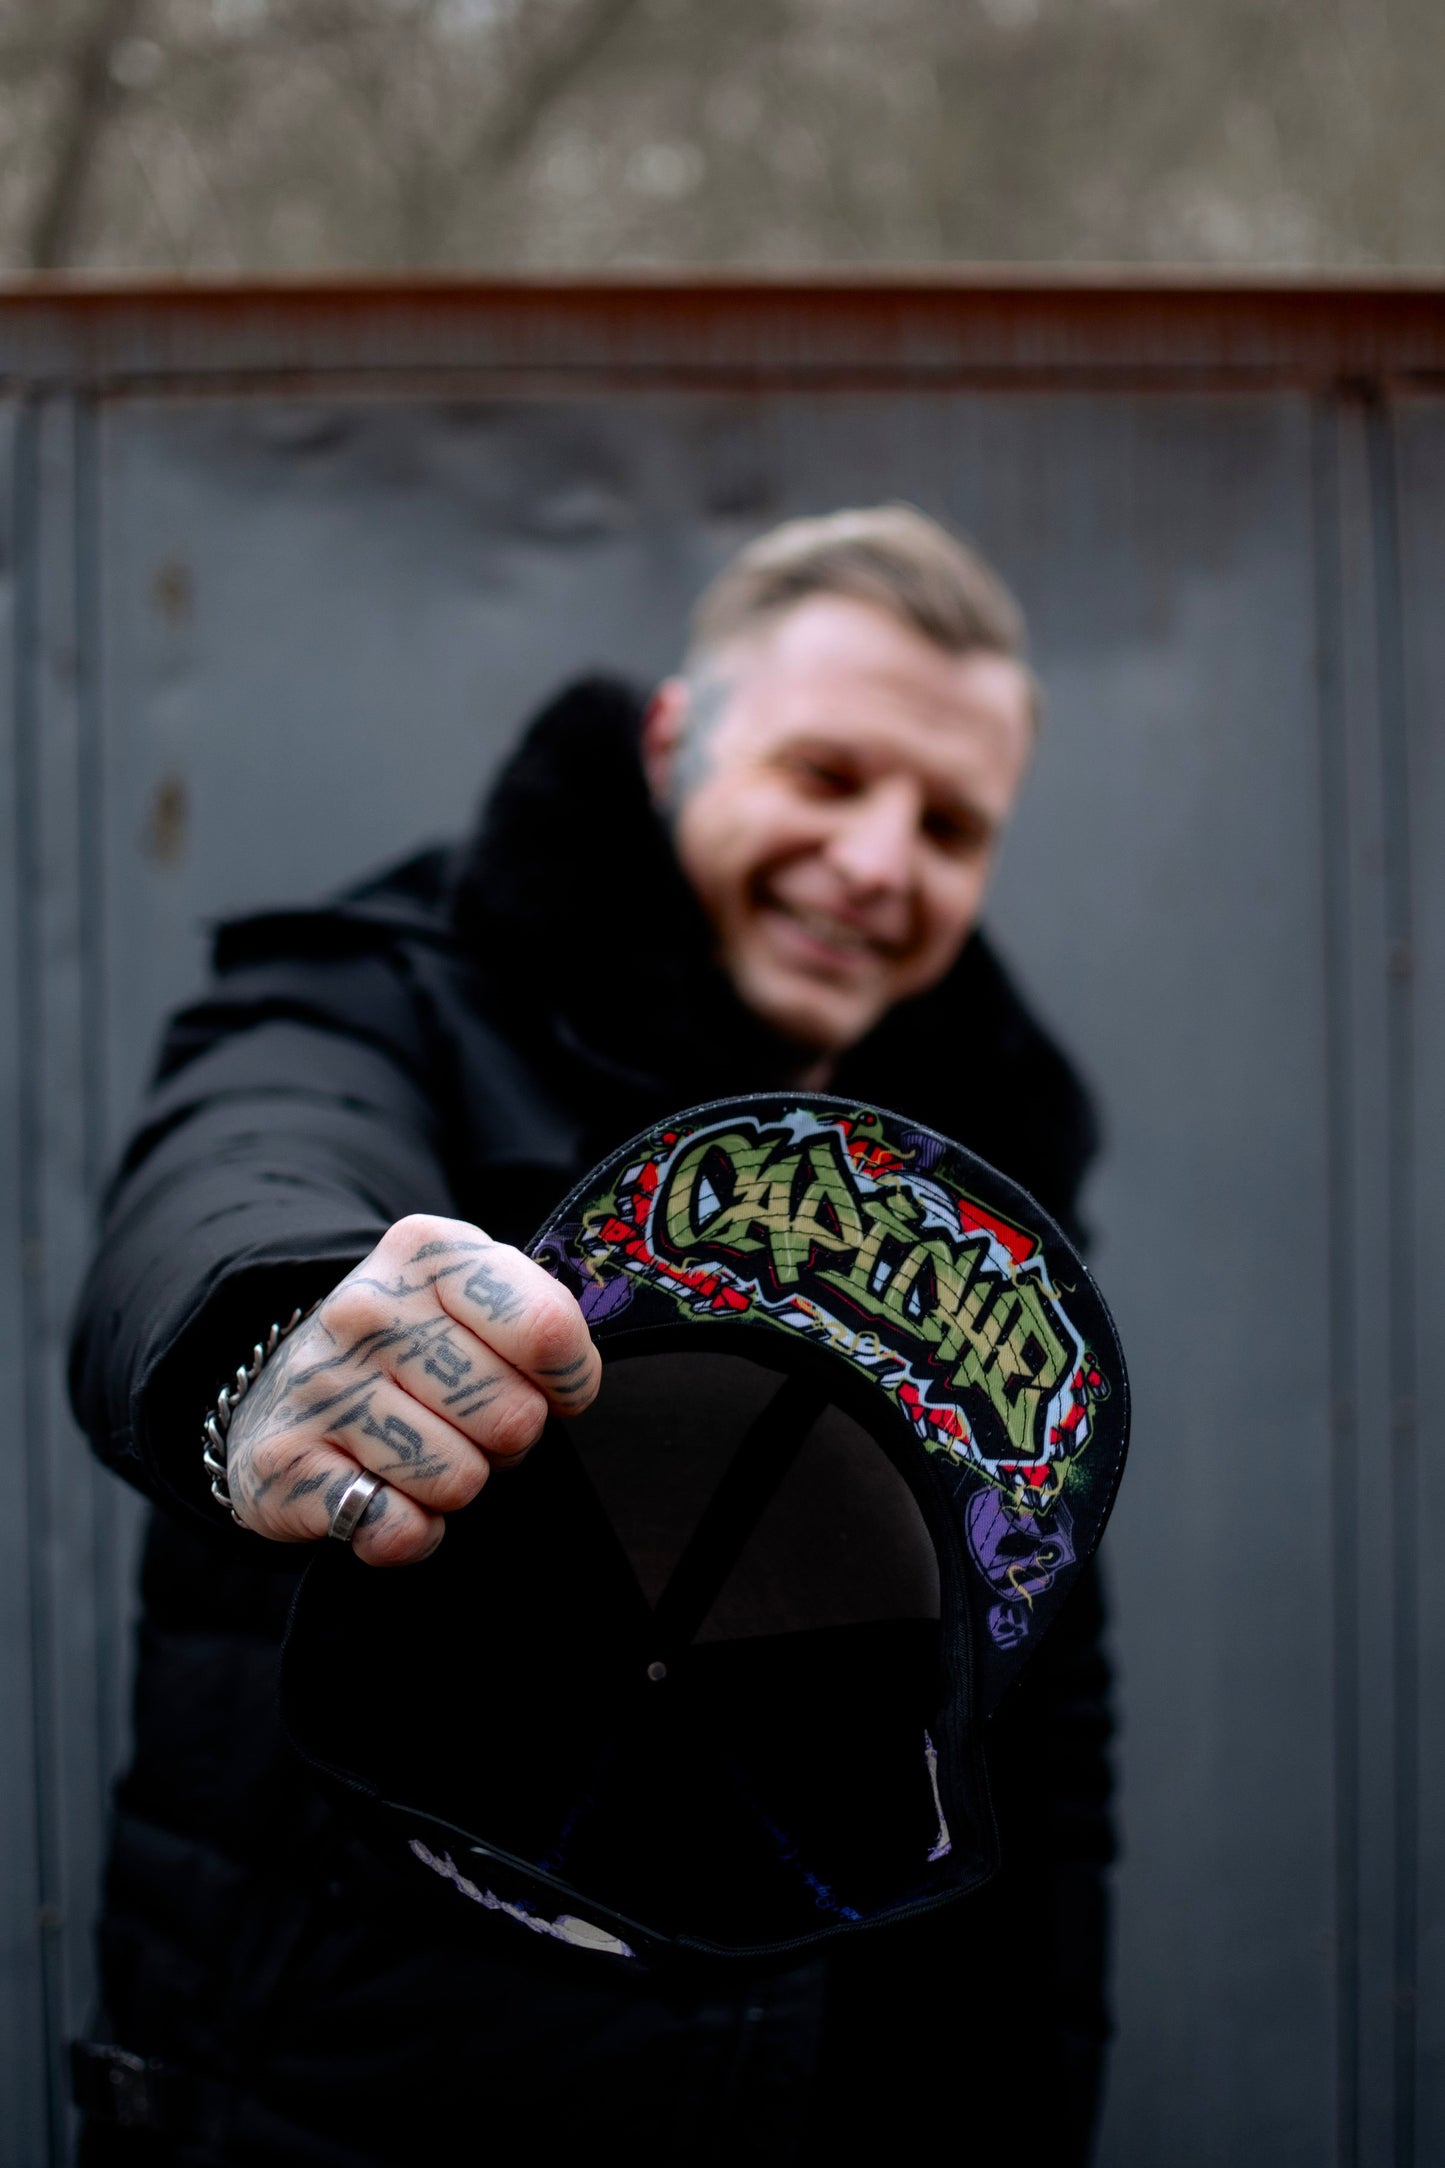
point(838, 780)
point(770, 871)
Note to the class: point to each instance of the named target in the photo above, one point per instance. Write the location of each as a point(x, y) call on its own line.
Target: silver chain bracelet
point(218, 1422)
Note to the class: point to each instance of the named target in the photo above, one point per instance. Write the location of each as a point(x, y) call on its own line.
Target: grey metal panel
point(1373, 1179)
point(1162, 890)
point(83, 1524)
point(322, 621)
point(69, 1539)
point(1369, 1600)
point(1420, 473)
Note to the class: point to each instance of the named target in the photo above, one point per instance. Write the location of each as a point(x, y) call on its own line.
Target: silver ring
point(352, 1503)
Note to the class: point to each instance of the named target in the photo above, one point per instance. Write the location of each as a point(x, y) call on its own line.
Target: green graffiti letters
point(732, 1190)
point(788, 1213)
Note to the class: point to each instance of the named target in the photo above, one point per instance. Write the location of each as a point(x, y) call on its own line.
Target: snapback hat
point(709, 1675)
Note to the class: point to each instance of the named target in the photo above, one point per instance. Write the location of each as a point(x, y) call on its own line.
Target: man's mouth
point(825, 937)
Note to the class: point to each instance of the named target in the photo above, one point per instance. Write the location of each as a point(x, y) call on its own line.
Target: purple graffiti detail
point(555, 1254)
point(599, 1299)
point(925, 1151)
point(1008, 1624)
point(1020, 1554)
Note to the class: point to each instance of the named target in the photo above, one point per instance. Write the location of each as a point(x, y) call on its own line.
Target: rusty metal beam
point(937, 328)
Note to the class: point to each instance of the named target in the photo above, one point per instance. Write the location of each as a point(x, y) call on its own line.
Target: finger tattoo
point(493, 1295)
point(569, 1379)
point(472, 1397)
point(445, 1361)
point(407, 1443)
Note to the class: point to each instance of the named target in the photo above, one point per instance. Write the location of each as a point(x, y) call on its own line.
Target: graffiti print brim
point(941, 1284)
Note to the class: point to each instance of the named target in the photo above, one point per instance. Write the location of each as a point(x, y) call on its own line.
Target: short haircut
point(889, 555)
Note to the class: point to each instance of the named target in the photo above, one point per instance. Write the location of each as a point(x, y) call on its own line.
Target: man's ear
point(662, 729)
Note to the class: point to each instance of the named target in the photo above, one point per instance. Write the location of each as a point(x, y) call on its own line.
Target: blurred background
point(368, 366)
point(305, 135)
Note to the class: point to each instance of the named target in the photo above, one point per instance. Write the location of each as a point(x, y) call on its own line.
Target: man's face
point(838, 804)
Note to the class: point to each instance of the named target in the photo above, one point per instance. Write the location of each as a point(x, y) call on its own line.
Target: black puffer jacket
point(465, 1036)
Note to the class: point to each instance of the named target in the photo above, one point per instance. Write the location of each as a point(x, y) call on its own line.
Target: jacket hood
point(571, 897)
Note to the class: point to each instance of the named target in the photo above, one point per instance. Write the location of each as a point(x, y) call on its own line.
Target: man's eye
point(824, 781)
point(954, 832)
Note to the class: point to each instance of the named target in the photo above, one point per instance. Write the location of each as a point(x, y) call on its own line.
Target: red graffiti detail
point(925, 1416)
point(974, 1220)
point(1063, 1431)
point(874, 1159)
point(622, 1235)
point(1036, 1473)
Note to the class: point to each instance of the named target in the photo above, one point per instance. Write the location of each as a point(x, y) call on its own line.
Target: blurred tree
point(307, 134)
point(85, 59)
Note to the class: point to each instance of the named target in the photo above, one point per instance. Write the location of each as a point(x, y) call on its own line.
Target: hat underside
point(724, 1600)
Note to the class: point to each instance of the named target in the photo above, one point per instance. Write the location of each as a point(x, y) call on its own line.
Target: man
point(770, 872)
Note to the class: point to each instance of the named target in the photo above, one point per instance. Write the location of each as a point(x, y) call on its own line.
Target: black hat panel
point(841, 1540)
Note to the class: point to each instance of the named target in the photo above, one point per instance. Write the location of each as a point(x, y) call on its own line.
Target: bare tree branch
point(544, 76)
point(89, 96)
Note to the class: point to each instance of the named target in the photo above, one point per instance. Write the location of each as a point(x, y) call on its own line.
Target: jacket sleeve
point(293, 1117)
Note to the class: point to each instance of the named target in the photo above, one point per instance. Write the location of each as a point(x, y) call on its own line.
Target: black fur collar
point(572, 898)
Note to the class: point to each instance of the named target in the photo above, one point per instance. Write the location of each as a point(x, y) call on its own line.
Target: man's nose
point(873, 843)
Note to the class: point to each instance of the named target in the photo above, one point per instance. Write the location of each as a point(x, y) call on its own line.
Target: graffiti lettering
point(788, 1214)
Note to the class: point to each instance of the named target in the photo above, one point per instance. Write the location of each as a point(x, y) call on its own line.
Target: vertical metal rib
point(1344, 1381)
point(30, 871)
point(1400, 1162)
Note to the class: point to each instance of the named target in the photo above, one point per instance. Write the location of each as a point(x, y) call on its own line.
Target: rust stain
point(173, 592)
point(168, 822)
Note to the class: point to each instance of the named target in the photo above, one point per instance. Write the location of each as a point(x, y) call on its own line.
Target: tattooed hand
point(442, 1353)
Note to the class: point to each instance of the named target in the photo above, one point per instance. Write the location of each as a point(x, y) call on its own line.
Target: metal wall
point(279, 574)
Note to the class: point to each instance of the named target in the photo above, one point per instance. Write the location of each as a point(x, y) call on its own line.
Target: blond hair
point(890, 555)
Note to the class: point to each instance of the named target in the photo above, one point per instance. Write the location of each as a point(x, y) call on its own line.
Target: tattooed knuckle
point(556, 1333)
point(260, 1457)
point(395, 1540)
point(296, 1478)
point(518, 1424)
point(411, 1233)
point(357, 1310)
point(460, 1482)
